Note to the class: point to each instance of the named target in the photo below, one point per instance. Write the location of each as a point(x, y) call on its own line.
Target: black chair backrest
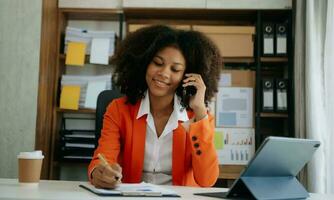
point(103, 100)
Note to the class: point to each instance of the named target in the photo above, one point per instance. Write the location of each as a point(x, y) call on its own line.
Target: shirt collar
point(179, 112)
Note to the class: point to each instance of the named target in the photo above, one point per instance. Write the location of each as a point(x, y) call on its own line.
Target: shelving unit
point(283, 66)
point(274, 123)
point(64, 16)
point(274, 115)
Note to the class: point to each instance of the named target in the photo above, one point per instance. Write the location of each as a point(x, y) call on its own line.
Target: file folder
point(69, 97)
point(268, 39)
point(281, 39)
point(281, 95)
point(267, 95)
point(271, 174)
point(75, 55)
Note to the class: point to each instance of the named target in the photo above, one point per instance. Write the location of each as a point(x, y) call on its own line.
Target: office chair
point(103, 100)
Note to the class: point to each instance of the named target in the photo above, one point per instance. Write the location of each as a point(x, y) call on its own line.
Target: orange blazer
point(194, 158)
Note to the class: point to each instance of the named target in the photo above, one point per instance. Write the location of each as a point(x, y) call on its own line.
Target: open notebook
point(135, 189)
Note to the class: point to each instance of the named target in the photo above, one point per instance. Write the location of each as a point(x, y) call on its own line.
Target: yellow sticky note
point(218, 140)
point(75, 53)
point(69, 98)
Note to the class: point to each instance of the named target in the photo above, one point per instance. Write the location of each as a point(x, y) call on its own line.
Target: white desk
point(48, 190)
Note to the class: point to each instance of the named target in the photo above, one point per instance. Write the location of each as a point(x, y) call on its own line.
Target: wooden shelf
point(87, 57)
point(230, 171)
point(274, 59)
point(81, 111)
point(225, 59)
point(238, 59)
point(90, 14)
point(221, 16)
point(274, 115)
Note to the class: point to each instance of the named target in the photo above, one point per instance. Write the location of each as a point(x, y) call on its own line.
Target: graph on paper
point(231, 138)
point(234, 145)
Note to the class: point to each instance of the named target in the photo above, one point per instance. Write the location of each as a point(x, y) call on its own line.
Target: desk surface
point(48, 190)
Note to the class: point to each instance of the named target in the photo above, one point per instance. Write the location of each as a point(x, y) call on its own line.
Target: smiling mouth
point(160, 83)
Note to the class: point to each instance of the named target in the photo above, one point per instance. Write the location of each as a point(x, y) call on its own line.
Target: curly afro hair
point(137, 50)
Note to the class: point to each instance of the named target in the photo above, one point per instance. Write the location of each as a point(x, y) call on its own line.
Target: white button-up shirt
point(158, 150)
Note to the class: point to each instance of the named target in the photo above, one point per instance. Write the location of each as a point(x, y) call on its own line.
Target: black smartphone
point(187, 93)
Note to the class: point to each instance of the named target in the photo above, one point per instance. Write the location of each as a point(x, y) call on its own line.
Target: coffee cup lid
point(31, 155)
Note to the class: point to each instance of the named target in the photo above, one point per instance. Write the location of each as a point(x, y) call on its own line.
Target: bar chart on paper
point(234, 145)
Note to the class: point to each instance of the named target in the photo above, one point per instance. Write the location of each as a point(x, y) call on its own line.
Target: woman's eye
point(158, 63)
point(175, 70)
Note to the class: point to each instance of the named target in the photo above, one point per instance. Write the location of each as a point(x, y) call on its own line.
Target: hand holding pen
point(106, 175)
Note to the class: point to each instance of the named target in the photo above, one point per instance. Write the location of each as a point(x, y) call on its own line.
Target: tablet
point(270, 174)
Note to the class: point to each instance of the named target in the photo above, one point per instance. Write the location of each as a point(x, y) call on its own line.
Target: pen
point(105, 162)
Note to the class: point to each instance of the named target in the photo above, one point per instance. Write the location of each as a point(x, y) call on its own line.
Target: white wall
point(20, 27)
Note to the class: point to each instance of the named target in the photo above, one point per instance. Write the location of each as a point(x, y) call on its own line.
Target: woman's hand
point(107, 176)
point(196, 102)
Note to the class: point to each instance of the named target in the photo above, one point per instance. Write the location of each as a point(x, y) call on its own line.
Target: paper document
point(136, 189)
point(225, 80)
point(86, 36)
point(99, 53)
point(75, 54)
point(80, 145)
point(234, 107)
point(69, 98)
point(235, 146)
point(79, 157)
point(83, 81)
point(94, 88)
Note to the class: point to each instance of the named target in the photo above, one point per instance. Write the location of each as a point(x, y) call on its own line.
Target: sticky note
point(69, 98)
point(218, 140)
point(75, 53)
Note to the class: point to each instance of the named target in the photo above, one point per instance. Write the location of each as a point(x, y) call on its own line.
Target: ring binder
point(281, 95)
point(268, 39)
point(267, 95)
point(281, 39)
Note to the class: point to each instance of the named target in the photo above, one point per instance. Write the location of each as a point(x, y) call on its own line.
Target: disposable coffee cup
point(30, 165)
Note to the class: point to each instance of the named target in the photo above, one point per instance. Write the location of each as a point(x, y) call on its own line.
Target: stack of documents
point(90, 88)
point(82, 35)
point(77, 144)
point(99, 44)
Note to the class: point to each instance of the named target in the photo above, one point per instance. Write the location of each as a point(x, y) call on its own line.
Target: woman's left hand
point(196, 102)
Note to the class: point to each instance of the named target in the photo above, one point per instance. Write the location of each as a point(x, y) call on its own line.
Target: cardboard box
point(134, 27)
point(237, 78)
point(232, 41)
